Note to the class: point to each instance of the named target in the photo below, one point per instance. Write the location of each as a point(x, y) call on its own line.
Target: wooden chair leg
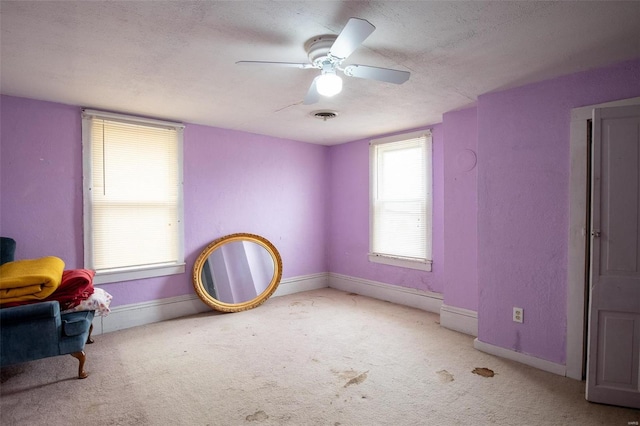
point(81, 358)
point(89, 339)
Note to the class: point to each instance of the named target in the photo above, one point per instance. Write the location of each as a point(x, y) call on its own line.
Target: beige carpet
point(323, 357)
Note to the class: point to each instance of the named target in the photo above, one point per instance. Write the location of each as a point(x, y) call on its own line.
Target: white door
point(613, 364)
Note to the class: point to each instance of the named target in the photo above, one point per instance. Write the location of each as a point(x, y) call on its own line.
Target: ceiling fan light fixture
point(329, 84)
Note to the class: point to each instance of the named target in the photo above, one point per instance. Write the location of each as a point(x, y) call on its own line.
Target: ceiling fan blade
point(280, 64)
point(312, 95)
point(351, 36)
point(375, 73)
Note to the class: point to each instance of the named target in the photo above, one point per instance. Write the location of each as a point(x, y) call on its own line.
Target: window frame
point(396, 260)
point(137, 272)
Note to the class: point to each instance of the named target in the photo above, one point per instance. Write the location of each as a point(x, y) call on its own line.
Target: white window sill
point(129, 274)
point(401, 262)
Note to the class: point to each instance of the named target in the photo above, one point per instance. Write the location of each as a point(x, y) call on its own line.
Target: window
point(400, 201)
point(133, 214)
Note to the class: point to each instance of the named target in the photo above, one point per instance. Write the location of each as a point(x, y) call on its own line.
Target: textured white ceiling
point(176, 60)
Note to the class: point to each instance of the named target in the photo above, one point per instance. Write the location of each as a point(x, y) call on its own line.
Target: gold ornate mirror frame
point(250, 304)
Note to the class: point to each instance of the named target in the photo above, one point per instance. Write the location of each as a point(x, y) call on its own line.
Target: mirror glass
point(237, 272)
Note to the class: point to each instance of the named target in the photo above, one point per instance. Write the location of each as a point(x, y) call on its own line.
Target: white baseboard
point(136, 314)
point(532, 361)
point(302, 283)
point(459, 319)
point(127, 316)
point(425, 300)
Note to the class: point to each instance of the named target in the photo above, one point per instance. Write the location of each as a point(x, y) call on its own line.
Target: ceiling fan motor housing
point(318, 50)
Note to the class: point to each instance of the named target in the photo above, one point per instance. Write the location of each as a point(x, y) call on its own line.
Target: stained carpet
point(323, 357)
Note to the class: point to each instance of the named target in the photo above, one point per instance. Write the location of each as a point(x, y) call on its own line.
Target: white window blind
point(401, 200)
point(133, 197)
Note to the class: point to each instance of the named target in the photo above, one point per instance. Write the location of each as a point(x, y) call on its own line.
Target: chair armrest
point(34, 311)
point(76, 323)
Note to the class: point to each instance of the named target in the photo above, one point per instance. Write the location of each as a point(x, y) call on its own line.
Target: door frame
point(578, 234)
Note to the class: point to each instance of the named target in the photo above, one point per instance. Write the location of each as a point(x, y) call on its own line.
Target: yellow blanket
point(32, 279)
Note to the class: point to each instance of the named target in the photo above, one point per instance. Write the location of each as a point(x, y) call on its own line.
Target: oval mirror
point(237, 272)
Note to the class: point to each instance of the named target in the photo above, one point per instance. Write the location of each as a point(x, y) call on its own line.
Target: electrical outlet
point(518, 315)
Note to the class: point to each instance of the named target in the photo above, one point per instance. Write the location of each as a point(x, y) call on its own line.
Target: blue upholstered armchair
point(31, 332)
point(38, 330)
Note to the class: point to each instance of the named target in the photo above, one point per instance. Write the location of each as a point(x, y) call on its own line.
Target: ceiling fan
point(327, 53)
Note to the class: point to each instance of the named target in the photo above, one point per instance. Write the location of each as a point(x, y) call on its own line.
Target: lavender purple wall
point(233, 182)
point(243, 182)
point(460, 132)
point(523, 205)
point(348, 230)
point(41, 178)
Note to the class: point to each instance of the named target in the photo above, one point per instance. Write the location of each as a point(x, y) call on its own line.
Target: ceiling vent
point(324, 115)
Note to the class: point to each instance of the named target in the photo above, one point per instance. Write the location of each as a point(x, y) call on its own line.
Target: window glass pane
point(134, 235)
point(401, 225)
point(401, 174)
